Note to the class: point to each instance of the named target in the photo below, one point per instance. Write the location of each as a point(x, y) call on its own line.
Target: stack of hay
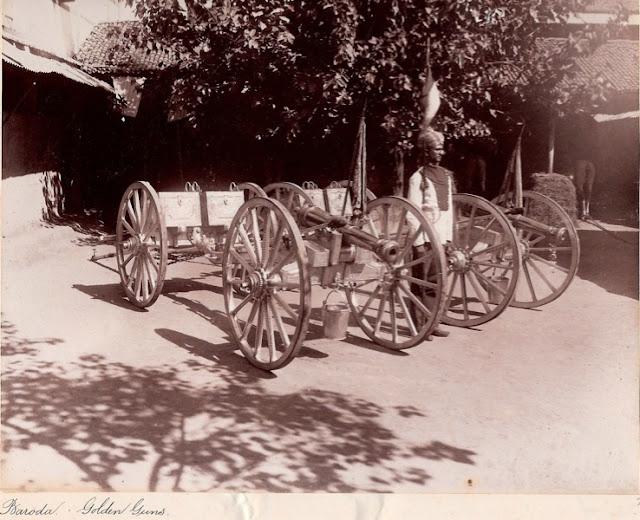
point(557, 187)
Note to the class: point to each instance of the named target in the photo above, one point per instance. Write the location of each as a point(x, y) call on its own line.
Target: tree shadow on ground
point(206, 424)
point(610, 263)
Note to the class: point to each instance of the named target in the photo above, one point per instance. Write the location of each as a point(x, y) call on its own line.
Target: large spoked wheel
point(398, 304)
point(549, 260)
point(292, 196)
point(251, 190)
point(141, 244)
point(270, 314)
point(484, 262)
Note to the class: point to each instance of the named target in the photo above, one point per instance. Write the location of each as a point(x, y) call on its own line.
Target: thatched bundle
point(559, 188)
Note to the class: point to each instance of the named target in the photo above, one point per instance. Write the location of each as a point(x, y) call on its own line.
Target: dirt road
point(99, 396)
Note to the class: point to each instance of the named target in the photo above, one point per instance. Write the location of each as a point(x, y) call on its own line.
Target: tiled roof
point(609, 6)
point(615, 61)
point(113, 48)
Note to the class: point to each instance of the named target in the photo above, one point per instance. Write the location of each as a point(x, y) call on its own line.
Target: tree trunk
point(398, 182)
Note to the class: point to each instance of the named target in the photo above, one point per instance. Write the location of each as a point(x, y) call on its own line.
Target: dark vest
point(440, 177)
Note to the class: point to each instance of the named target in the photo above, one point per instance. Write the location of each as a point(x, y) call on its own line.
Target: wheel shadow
point(224, 354)
point(113, 294)
point(316, 332)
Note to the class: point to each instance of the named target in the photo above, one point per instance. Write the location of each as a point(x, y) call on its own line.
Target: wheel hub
point(256, 282)
point(132, 244)
point(458, 260)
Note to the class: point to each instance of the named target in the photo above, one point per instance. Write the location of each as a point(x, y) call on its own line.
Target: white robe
point(423, 194)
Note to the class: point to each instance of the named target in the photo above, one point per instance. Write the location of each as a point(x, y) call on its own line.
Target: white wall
point(59, 28)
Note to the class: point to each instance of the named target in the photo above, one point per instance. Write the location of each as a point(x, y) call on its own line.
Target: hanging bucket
point(335, 318)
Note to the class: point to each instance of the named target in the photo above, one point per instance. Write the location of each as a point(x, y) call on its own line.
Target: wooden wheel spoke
point(139, 277)
point(242, 231)
point(273, 256)
point(423, 308)
point(372, 226)
point(369, 301)
point(256, 236)
point(527, 275)
point(249, 322)
point(504, 267)
point(401, 221)
point(146, 279)
point(279, 324)
point(483, 232)
point(549, 263)
point(132, 217)
point(267, 240)
point(150, 226)
point(488, 250)
point(383, 304)
point(137, 208)
point(416, 261)
point(362, 284)
point(463, 284)
point(405, 311)
point(541, 275)
point(152, 262)
point(144, 212)
point(550, 249)
point(450, 294)
point(241, 305)
point(385, 221)
point(128, 259)
point(283, 261)
point(407, 247)
point(490, 282)
point(133, 273)
point(479, 292)
point(271, 339)
point(128, 227)
point(469, 225)
point(241, 260)
point(537, 240)
point(418, 281)
point(284, 305)
point(257, 340)
point(392, 310)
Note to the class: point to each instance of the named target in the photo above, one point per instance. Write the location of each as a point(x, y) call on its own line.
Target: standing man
point(431, 189)
point(584, 176)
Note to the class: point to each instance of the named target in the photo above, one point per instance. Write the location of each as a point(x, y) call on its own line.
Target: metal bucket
point(335, 318)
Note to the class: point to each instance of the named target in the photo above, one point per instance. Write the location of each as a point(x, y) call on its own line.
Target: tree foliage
point(290, 68)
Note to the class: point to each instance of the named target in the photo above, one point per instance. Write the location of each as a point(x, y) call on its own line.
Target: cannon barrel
point(386, 249)
point(522, 222)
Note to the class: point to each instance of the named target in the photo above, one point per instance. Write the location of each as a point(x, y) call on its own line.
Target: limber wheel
point(549, 260)
point(141, 244)
point(292, 196)
point(251, 190)
point(399, 303)
point(484, 262)
point(270, 315)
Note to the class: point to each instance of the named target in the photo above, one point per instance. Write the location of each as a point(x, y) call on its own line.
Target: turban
point(430, 140)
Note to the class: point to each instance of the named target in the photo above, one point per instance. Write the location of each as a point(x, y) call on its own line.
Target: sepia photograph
point(318, 246)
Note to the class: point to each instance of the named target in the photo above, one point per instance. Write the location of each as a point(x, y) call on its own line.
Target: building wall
point(59, 27)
